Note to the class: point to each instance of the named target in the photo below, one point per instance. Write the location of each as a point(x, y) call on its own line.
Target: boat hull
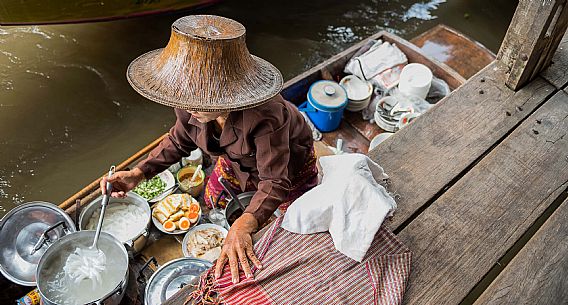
point(15, 12)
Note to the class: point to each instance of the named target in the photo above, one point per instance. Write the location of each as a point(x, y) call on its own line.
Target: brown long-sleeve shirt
point(268, 145)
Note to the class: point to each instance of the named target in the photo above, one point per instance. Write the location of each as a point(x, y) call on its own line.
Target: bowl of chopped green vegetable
point(156, 188)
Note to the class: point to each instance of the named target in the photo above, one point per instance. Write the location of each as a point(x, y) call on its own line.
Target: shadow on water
point(67, 111)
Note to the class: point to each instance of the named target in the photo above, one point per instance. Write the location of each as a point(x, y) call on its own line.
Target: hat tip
point(209, 27)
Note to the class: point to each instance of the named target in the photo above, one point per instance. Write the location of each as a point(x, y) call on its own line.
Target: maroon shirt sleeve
point(174, 146)
point(272, 157)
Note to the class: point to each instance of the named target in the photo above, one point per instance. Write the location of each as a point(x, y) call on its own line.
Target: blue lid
point(327, 95)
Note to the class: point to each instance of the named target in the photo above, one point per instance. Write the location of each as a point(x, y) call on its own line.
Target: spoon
point(197, 171)
point(227, 188)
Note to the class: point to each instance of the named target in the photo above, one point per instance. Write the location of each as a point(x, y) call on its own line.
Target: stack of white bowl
point(358, 92)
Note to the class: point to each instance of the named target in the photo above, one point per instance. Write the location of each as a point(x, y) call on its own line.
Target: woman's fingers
point(103, 185)
point(244, 262)
point(221, 261)
point(252, 257)
point(234, 264)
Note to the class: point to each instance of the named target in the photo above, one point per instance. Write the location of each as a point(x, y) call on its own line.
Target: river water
point(67, 111)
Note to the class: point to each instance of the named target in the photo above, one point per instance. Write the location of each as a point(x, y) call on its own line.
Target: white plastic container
point(415, 79)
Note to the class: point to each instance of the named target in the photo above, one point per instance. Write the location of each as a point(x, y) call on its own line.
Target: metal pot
point(134, 245)
point(24, 238)
point(244, 198)
point(114, 279)
point(171, 277)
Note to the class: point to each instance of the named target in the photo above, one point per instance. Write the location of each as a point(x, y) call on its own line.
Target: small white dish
point(185, 250)
point(378, 139)
point(170, 181)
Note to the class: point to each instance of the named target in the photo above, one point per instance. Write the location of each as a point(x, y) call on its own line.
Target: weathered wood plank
point(528, 47)
point(537, 275)
point(426, 156)
point(366, 129)
point(557, 72)
point(354, 142)
point(458, 239)
point(459, 52)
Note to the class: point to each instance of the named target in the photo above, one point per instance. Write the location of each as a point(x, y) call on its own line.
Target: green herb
point(150, 188)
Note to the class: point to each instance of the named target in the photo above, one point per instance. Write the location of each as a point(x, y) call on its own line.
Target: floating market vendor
point(227, 103)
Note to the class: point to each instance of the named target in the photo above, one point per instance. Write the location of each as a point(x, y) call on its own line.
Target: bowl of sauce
point(184, 176)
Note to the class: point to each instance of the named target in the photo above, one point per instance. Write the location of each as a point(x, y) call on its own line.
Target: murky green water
point(67, 111)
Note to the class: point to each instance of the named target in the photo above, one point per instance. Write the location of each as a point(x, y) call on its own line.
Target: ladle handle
point(45, 237)
point(141, 278)
point(104, 203)
point(227, 188)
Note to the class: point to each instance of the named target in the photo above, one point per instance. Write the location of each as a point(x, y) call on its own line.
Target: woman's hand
point(238, 248)
point(122, 182)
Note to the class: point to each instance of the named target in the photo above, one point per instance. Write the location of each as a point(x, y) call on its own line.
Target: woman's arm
point(272, 156)
point(176, 145)
point(172, 148)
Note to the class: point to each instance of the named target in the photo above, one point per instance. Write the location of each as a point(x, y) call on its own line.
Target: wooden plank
point(427, 155)
point(557, 72)
point(537, 275)
point(366, 129)
point(353, 141)
point(459, 52)
point(528, 47)
point(458, 239)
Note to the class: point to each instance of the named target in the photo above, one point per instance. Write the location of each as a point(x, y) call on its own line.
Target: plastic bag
point(438, 90)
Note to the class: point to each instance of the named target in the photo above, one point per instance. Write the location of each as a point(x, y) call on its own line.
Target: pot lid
point(171, 277)
point(20, 231)
point(327, 95)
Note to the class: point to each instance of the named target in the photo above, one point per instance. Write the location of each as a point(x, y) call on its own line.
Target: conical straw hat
point(206, 66)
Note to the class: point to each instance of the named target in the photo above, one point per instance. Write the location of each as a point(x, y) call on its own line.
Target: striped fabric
point(307, 269)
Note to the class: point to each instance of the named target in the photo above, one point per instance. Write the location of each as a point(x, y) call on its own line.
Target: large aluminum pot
point(137, 243)
point(233, 211)
point(53, 286)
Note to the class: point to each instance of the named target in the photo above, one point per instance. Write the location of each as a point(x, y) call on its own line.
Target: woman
point(227, 103)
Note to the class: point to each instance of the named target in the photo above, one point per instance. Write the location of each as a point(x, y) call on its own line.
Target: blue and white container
point(325, 105)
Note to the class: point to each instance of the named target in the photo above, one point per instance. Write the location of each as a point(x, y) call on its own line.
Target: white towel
point(349, 203)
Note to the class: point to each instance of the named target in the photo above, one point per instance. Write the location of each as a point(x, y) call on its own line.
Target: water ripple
point(11, 57)
point(27, 30)
point(422, 10)
point(38, 73)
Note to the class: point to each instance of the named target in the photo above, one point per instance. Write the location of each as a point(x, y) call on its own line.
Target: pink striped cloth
point(307, 269)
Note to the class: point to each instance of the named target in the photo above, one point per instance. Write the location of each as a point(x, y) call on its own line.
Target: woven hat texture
point(207, 67)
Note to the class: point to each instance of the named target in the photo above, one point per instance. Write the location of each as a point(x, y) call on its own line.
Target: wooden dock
point(482, 181)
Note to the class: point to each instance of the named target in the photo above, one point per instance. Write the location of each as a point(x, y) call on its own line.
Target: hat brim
point(250, 91)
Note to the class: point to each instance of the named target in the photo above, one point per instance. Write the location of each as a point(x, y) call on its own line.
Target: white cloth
point(379, 58)
point(349, 203)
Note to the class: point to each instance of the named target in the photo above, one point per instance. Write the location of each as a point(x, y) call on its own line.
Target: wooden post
point(532, 38)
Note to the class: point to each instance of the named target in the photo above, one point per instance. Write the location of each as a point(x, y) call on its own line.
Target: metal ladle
point(104, 203)
point(227, 188)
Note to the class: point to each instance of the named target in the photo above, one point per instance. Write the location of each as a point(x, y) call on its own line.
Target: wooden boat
point(13, 12)
point(461, 54)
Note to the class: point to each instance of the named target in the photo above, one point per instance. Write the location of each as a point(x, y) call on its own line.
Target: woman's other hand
point(238, 248)
point(122, 182)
